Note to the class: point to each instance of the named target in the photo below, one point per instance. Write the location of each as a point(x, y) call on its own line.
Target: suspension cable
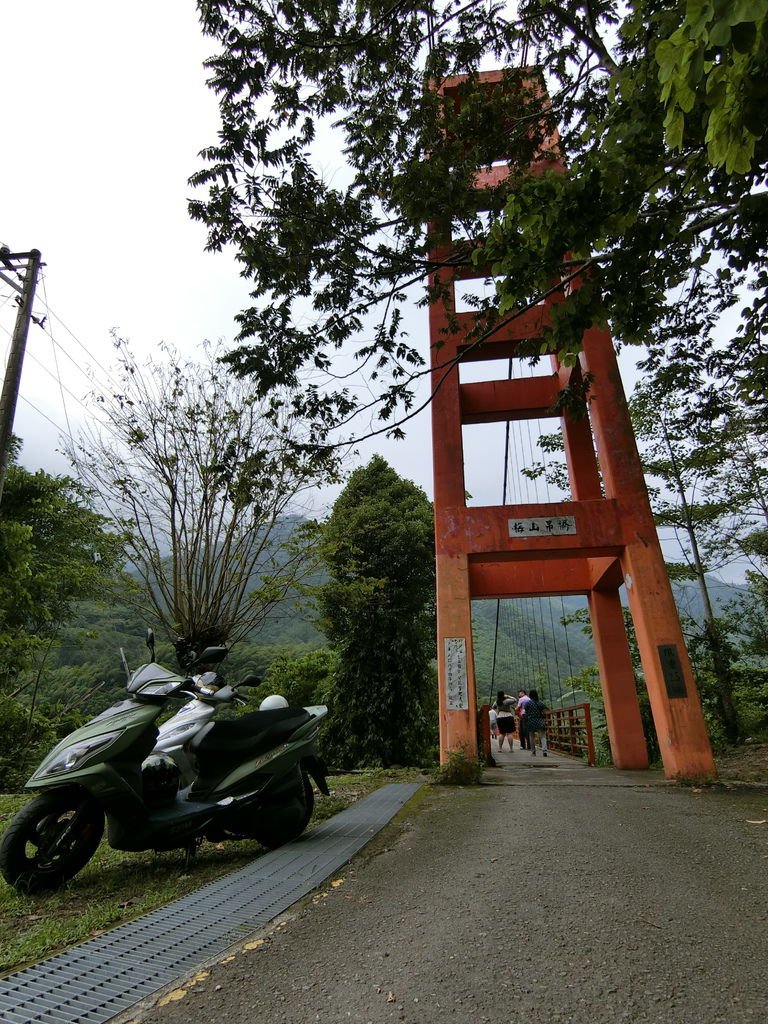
point(557, 655)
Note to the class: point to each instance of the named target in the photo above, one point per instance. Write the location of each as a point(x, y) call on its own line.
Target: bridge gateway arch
point(604, 537)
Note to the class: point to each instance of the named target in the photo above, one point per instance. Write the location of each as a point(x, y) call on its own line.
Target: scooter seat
point(249, 735)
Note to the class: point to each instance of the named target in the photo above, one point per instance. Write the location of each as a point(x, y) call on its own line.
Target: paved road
point(551, 894)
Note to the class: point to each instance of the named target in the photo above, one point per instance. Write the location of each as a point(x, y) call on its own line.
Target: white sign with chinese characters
point(456, 689)
point(548, 526)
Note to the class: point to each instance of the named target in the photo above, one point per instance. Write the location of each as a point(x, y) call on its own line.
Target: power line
point(58, 373)
point(57, 377)
point(62, 387)
point(40, 412)
point(38, 321)
point(557, 657)
point(53, 315)
point(45, 323)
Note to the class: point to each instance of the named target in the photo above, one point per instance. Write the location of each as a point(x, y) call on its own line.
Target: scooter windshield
point(154, 680)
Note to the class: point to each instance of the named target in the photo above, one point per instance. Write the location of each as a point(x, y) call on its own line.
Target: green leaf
point(746, 10)
point(720, 34)
point(674, 125)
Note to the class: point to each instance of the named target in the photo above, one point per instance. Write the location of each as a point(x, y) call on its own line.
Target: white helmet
point(273, 701)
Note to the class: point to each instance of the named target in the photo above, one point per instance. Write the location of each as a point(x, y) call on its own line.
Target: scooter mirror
point(211, 656)
point(250, 681)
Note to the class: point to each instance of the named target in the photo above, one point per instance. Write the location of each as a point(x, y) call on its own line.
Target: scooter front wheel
point(50, 840)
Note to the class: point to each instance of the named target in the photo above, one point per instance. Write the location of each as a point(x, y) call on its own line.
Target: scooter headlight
point(71, 757)
point(161, 689)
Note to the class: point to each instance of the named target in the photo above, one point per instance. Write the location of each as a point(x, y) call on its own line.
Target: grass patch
point(116, 887)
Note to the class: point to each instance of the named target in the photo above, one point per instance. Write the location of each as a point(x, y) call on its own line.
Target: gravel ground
point(747, 763)
point(544, 896)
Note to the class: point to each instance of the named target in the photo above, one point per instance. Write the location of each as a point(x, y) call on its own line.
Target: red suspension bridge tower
point(590, 545)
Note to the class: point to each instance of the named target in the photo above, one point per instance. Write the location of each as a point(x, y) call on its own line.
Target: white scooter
point(208, 694)
point(207, 697)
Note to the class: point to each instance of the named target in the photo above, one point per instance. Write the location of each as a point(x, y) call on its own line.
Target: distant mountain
point(689, 600)
point(523, 643)
point(517, 642)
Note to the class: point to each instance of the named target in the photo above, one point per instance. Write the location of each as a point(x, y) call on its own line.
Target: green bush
point(25, 740)
point(459, 770)
point(302, 680)
point(751, 698)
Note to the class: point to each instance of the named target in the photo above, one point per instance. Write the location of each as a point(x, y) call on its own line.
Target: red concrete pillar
point(614, 660)
point(455, 656)
point(579, 447)
point(617, 678)
point(680, 727)
point(677, 714)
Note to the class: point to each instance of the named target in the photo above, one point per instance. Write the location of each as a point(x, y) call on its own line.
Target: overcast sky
point(106, 108)
point(109, 111)
point(105, 116)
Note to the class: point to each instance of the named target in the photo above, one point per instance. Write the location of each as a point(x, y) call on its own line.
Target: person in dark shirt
point(536, 723)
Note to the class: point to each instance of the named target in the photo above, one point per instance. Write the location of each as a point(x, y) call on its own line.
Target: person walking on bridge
point(505, 718)
point(522, 700)
point(536, 723)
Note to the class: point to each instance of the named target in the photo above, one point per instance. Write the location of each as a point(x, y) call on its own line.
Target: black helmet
point(160, 777)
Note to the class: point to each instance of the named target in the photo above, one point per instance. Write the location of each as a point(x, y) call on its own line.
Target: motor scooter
point(208, 695)
point(251, 780)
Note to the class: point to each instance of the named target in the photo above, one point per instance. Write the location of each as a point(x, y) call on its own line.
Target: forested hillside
point(524, 643)
point(86, 669)
point(519, 643)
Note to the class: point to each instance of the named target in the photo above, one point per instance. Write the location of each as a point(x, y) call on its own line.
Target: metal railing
point(569, 730)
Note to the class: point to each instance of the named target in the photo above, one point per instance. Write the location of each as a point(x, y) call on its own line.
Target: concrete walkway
point(549, 895)
point(522, 759)
point(521, 768)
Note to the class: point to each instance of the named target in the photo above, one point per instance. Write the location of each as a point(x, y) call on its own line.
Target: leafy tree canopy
point(207, 492)
point(54, 551)
point(661, 119)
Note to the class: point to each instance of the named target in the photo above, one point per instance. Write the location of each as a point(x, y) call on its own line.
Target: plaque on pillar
point(672, 670)
point(457, 691)
point(544, 526)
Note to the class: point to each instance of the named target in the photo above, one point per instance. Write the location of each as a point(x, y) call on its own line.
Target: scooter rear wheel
point(50, 840)
point(288, 819)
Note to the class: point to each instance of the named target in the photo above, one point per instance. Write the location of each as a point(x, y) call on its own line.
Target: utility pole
point(26, 290)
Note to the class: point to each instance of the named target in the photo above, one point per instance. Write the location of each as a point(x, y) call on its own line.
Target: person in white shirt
point(522, 700)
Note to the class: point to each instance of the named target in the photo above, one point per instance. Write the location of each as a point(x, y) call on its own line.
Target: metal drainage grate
point(104, 976)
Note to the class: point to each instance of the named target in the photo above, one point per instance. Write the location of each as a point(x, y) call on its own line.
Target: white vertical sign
point(456, 688)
